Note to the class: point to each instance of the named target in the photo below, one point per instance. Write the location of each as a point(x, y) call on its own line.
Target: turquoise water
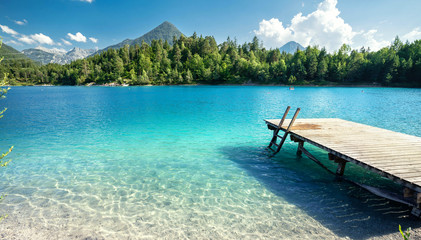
point(189, 162)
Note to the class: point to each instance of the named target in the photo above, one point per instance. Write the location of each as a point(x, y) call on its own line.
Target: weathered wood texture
point(391, 154)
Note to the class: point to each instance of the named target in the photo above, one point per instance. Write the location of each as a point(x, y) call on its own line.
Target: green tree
point(254, 45)
point(144, 78)
point(292, 79)
point(312, 67)
point(200, 59)
point(189, 77)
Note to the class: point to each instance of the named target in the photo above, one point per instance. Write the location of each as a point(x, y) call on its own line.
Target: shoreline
point(233, 85)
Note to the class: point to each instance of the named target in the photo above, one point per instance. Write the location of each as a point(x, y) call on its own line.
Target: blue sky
point(65, 24)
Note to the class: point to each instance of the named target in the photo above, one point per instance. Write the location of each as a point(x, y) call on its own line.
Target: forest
point(200, 60)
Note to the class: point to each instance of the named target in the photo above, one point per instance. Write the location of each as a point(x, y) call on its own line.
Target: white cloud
point(26, 39)
point(23, 22)
point(367, 39)
point(78, 37)
point(94, 40)
point(8, 30)
point(66, 42)
point(273, 33)
point(38, 37)
point(14, 42)
point(42, 39)
point(89, 1)
point(323, 27)
point(412, 35)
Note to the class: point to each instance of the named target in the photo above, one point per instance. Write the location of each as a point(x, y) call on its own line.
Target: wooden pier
point(394, 155)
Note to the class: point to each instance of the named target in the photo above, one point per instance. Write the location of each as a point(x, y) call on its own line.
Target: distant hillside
point(10, 53)
point(165, 31)
point(45, 55)
point(291, 47)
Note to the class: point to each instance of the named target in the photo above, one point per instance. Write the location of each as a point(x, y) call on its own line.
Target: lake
point(189, 162)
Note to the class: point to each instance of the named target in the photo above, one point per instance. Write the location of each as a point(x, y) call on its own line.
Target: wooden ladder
point(276, 131)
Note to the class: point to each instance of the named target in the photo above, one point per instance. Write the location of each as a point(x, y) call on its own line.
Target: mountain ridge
point(165, 31)
point(60, 56)
point(291, 47)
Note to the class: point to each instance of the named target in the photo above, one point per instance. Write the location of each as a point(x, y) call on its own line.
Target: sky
point(64, 24)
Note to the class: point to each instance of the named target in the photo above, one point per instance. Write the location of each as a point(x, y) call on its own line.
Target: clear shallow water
point(188, 162)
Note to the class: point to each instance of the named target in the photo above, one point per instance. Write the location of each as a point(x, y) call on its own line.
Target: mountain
point(10, 53)
point(60, 56)
point(78, 53)
point(39, 55)
point(165, 31)
point(291, 47)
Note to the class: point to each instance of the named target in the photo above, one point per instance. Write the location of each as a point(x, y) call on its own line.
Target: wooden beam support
point(341, 164)
point(407, 193)
point(416, 210)
point(419, 200)
point(300, 146)
point(295, 139)
point(341, 168)
point(309, 155)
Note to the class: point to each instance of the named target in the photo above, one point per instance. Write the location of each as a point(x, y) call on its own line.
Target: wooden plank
point(384, 140)
point(351, 126)
point(409, 172)
point(418, 183)
point(368, 145)
point(397, 163)
point(385, 154)
point(392, 161)
point(413, 179)
point(357, 139)
point(409, 158)
point(396, 167)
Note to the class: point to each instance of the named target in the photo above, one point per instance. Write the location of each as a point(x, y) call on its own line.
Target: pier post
point(407, 193)
point(416, 210)
point(300, 144)
point(341, 164)
point(341, 168)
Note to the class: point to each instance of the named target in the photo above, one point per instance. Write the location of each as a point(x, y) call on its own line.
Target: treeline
point(201, 60)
